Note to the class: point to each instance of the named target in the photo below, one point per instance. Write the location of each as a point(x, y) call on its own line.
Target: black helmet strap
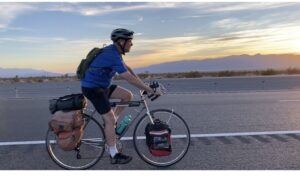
point(123, 47)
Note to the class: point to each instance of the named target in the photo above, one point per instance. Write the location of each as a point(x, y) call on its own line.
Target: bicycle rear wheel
point(88, 153)
point(180, 138)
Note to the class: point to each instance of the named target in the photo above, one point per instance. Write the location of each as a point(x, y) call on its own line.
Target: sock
point(116, 117)
point(113, 150)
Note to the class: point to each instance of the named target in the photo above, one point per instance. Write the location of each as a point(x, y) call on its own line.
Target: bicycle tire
point(141, 147)
point(89, 141)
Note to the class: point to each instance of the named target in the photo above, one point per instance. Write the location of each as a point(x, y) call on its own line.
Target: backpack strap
point(85, 63)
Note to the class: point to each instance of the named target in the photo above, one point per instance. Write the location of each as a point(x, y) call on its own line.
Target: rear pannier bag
point(68, 141)
point(158, 138)
point(68, 126)
point(67, 103)
point(66, 121)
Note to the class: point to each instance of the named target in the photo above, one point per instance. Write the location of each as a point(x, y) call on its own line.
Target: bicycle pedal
point(78, 156)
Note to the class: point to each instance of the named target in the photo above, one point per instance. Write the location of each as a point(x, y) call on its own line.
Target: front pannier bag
point(158, 138)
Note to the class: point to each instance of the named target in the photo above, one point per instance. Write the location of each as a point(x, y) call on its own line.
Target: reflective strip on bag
point(159, 132)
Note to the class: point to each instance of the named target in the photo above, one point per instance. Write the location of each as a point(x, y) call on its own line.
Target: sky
point(55, 36)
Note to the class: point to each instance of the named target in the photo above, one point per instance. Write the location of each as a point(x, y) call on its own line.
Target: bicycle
point(92, 145)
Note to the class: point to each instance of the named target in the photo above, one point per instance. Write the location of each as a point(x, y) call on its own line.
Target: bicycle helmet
point(121, 33)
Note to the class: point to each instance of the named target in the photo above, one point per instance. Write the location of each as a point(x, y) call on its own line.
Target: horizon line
point(37, 69)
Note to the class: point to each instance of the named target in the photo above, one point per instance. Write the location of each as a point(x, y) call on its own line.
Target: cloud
point(149, 51)
point(138, 34)
point(234, 23)
point(112, 26)
point(266, 31)
point(92, 9)
point(204, 9)
point(223, 7)
point(167, 44)
point(202, 15)
point(141, 19)
point(9, 11)
point(112, 9)
point(276, 39)
point(270, 40)
point(32, 40)
point(2, 26)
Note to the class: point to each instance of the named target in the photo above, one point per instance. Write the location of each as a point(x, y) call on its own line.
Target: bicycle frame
point(138, 103)
point(100, 142)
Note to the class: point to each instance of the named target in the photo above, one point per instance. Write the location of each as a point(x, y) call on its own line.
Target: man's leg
point(124, 95)
point(109, 129)
point(99, 99)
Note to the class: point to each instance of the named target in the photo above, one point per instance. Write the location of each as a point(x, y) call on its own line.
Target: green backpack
point(85, 63)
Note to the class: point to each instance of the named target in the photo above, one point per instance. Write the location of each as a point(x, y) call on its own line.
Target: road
point(239, 123)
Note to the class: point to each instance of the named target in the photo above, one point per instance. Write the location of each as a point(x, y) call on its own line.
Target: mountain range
point(236, 62)
point(13, 72)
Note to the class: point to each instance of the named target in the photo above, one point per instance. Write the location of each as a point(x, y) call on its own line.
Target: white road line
point(174, 136)
point(289, 100)
point(22, 143)
point(244, 134)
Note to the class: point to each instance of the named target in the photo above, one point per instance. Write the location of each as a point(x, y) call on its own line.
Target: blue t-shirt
point(103, 68)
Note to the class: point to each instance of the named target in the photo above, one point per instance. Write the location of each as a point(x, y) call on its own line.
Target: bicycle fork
point(147, 110)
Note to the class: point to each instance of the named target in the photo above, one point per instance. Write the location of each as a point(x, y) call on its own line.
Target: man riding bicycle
point(97, 87)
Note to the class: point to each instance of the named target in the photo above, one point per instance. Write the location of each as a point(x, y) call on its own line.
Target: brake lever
point(152, 99)
point(151, 95)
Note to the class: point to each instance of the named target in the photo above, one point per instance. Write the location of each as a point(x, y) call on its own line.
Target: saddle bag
point(67, 103)
point(158, 138)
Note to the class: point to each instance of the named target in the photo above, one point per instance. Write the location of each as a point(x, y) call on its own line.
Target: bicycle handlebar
point(153, 85)
point(154, 98)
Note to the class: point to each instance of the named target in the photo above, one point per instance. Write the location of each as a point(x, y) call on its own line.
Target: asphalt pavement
point(239, 109)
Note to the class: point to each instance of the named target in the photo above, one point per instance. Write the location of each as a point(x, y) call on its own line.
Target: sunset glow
point(56, 36)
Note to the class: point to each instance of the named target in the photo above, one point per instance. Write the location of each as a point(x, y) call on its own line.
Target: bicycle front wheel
point(180, 137)
point(88, 153)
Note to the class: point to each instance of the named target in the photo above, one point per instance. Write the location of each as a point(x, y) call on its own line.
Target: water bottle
point(123, 124)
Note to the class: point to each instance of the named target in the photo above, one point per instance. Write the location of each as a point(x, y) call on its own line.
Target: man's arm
point(131, 71)
point(133, 79)
point(136, 81)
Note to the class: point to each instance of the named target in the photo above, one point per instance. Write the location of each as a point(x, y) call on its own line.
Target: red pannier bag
point(158, 138)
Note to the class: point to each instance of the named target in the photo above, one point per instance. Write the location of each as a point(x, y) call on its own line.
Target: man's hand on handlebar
point(156, 90)
point(159, 90)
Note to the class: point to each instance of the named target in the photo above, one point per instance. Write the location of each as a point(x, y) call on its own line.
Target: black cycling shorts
point(99, 97)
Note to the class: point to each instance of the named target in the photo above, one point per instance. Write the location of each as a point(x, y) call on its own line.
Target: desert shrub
point(192, 74)
point(16, 79)
point(269, 72)
point(292, 71)
point(225, 73)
